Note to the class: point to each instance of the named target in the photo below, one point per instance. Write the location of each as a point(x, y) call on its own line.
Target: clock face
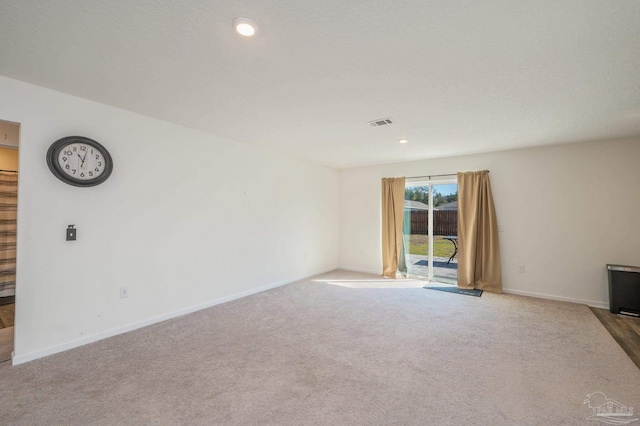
point(79, 161)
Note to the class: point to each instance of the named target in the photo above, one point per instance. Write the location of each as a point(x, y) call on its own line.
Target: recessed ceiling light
point(403, 141)
point(245, 27)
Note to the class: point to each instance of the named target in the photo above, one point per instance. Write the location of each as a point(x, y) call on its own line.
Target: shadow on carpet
point(452, 289)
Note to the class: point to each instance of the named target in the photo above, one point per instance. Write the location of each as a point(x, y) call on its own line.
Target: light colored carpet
point(343, 348)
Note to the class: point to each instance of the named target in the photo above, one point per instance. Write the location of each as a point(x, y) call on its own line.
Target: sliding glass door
point(431, 230)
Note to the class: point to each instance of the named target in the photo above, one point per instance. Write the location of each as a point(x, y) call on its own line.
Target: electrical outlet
point(521, 269)
point(124, 292)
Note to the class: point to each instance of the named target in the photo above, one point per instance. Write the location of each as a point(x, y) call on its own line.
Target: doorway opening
point(430, 230)
point(9, 143)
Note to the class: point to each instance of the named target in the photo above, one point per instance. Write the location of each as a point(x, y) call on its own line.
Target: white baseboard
point(20, 359)
point(592, 303)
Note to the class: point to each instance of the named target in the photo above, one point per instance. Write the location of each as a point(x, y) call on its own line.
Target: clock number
point(97, 157)
point(66, 167)
point(97, 169)
point(83, 148)
point(73, 171)
point(81, 174)
point(64, 158)
point(75, 149)
point(69, 153)
point(99, 164)
point(90, 173)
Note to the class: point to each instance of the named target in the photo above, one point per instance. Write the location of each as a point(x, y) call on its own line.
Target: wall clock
point(79, 161)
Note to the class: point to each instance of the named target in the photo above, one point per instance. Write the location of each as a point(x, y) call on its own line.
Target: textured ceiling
point(457, 77)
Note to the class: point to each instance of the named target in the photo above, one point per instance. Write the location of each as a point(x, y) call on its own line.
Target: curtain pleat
point(392, 220)
point(8, 227)
point(478, 245)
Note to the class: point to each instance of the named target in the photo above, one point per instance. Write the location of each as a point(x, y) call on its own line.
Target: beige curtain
point(478, 245)
point(392, 217)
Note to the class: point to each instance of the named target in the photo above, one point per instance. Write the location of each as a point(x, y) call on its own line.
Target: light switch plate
point(71, 233)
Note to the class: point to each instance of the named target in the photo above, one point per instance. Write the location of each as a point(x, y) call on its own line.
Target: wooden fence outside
point(445, 222)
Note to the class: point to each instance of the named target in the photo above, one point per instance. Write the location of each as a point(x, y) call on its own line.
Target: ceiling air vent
point(380, 122)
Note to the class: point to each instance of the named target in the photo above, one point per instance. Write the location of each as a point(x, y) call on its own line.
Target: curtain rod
point(432, 176)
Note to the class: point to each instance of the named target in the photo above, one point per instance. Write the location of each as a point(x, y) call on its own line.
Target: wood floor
point(7, 313)
point(625, 329)
point(6, 344)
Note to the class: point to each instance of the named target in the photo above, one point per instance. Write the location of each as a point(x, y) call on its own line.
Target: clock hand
point(82, 159)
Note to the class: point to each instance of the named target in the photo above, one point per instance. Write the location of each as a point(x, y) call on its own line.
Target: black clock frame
point(52, 161)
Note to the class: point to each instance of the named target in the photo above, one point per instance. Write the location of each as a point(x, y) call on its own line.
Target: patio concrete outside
point(419, 265)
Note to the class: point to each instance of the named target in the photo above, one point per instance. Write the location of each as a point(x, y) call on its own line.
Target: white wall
point(186, 219)
point(567, 211)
